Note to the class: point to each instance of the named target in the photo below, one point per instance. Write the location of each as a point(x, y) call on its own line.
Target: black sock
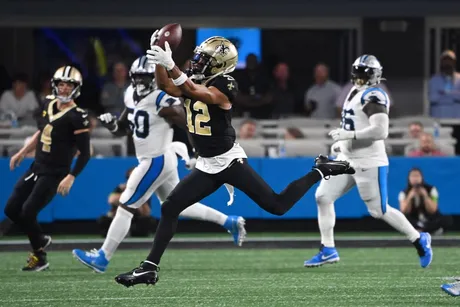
point(419, 247)
point(165, 232)
point(297, 189)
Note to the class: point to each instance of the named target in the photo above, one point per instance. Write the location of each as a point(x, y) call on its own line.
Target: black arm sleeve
point(83, 145)
point(123, 124)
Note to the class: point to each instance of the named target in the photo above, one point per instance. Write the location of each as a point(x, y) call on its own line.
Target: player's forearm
point(165, 83)
point(378, 129)
point(30, 146)
point(84, 147)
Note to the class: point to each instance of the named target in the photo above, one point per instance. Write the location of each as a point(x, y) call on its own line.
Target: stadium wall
point(88, 197)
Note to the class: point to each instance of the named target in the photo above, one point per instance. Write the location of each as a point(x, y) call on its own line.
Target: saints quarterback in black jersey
point(208, 92)
point(62, 130)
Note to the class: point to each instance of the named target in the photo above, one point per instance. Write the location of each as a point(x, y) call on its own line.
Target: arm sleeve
point(227, 85)
point(83, 145)
point(378, 129)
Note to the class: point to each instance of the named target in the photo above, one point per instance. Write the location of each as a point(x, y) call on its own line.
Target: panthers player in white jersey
point(149, 114)
point(360, 140)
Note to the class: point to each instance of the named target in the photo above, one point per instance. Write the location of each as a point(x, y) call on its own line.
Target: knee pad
point(11, 214)
point(323, 199)
point(376, 213)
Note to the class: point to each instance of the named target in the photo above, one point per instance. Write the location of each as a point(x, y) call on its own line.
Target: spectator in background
point(45, 88)
point(419, 202)
point(142, 224)
point(284, 98)
point(321, 97)
point(248, 129)
point(112, 98)
point(19, 102)
point(414, 133)
point(346, 90)
point(293, 133)
point(254, 99)
point(426, 147)
point(444, 88)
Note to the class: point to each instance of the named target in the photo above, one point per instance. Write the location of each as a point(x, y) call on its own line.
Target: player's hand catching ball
point(158, 56)
point(342, 134)
point(65, 185)
point(108, 121)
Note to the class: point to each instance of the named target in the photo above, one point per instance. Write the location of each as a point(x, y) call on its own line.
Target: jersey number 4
point(347, 122)
point(139, 123)
point(201, 113)
point(46, 138)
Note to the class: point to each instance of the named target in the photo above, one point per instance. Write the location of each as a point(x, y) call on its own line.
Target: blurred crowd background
point(293, 72)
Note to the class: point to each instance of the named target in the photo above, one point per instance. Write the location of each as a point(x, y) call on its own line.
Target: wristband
point(181, 80)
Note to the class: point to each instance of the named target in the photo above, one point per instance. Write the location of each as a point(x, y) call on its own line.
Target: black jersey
point(56, 145)
point(211, 126)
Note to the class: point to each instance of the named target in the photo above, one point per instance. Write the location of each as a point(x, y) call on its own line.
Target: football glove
point(109, 121)
point(158, 56)
point(191, 164)
point(342, 134)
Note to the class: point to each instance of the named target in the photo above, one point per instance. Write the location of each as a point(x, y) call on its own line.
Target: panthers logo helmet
point(213, 57)
point(366, 71)
point(67, 74)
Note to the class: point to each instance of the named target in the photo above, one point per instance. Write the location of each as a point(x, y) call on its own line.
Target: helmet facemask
point(362, 76)
point(143, 83)
point(201, 65)
point(61, 96)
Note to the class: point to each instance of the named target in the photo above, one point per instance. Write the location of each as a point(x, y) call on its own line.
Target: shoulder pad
point(375, 95)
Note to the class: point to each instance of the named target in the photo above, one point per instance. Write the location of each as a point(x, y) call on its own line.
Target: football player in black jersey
point(63, 128)
point(208, 93)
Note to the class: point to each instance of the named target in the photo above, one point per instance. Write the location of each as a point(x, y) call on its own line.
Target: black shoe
point(36, 262)
point(146, 273)
point(328, 167)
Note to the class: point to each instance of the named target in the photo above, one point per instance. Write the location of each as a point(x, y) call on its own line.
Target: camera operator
point(419, 202)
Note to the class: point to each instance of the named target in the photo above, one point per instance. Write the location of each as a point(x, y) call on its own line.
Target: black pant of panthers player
point(197, 185)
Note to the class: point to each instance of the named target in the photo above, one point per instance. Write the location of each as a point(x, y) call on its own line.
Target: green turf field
point(364, 277)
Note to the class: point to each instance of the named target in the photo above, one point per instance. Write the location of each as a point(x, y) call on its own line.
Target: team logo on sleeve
point(230, 86)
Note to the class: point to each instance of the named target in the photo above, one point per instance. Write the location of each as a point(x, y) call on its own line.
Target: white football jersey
point(152, 135)
point(362, 153)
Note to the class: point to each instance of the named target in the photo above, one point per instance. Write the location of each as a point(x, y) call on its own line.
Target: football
point(172, 33)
